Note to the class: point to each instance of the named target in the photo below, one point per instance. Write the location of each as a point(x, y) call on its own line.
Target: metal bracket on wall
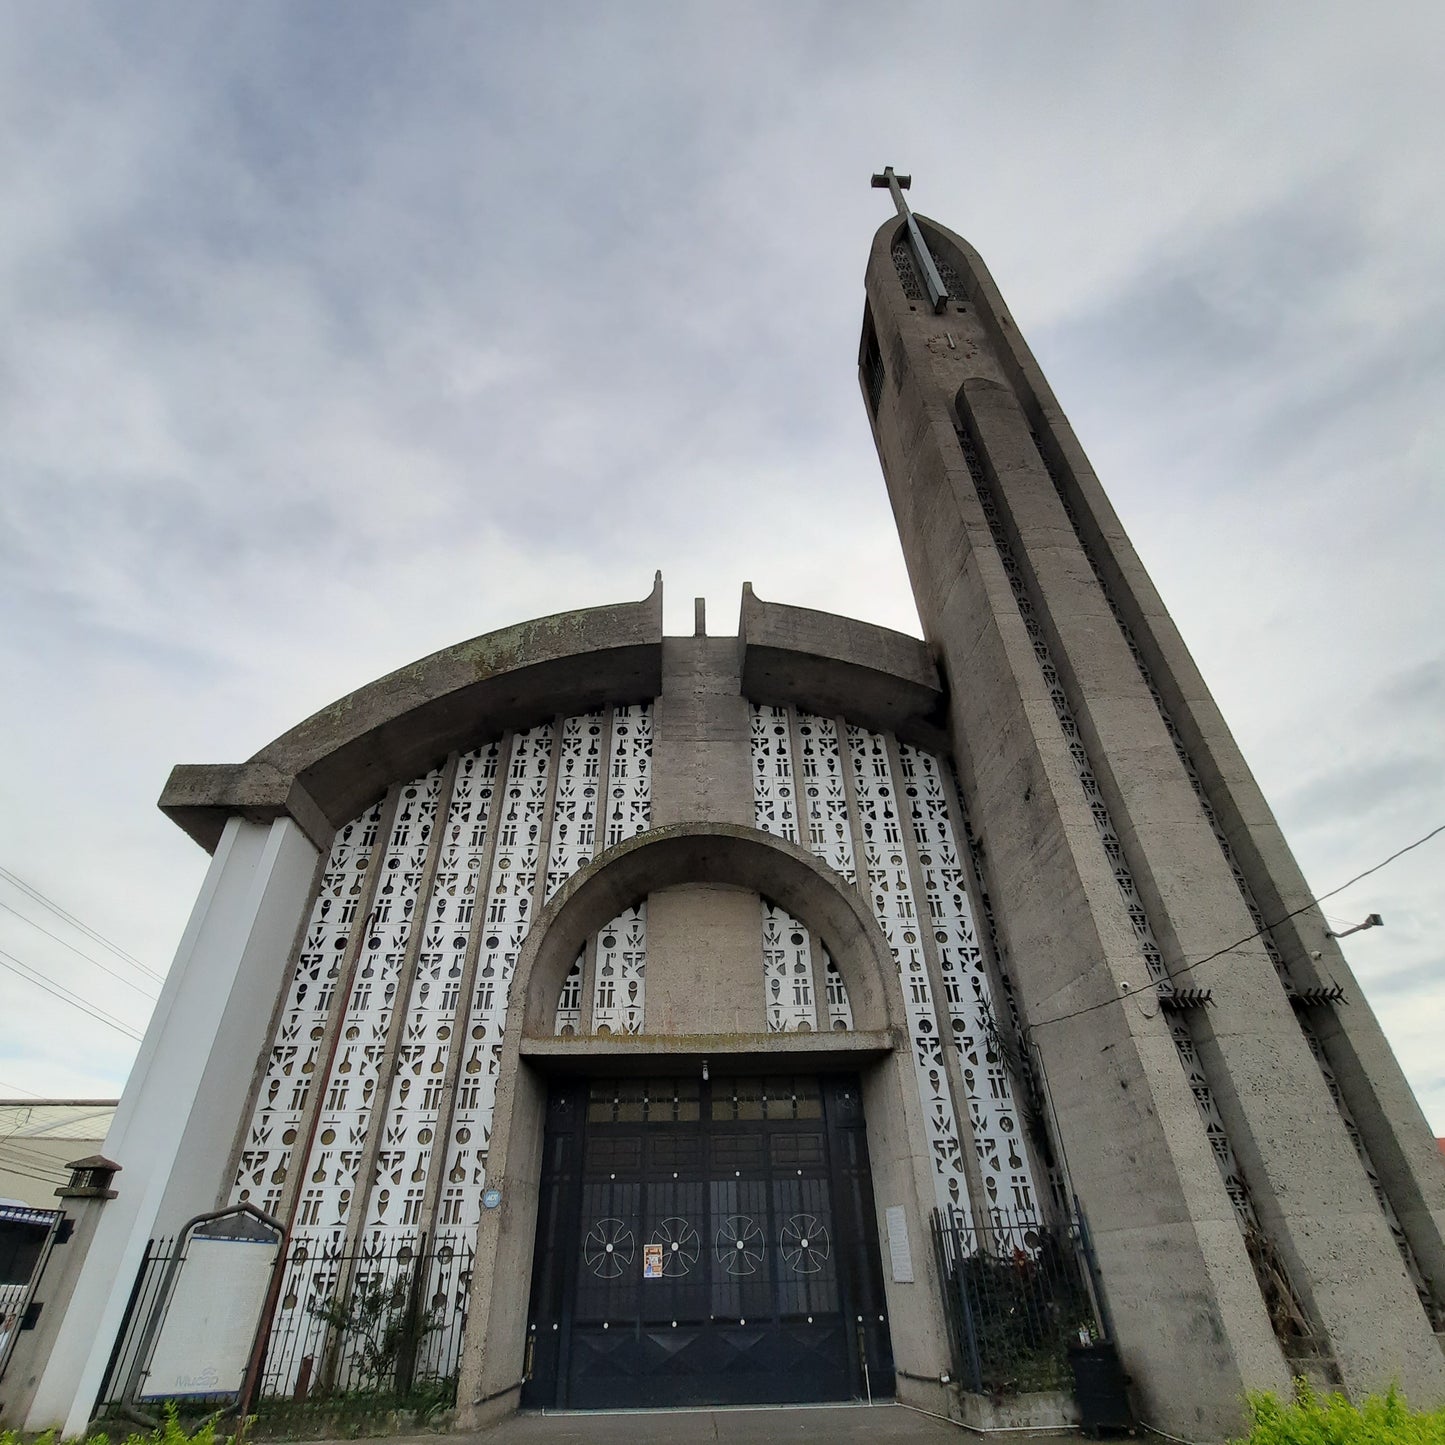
point(1178, 1000)
point(1317, 997)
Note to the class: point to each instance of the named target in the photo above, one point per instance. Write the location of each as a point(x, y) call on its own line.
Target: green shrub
point(1315, 1419)
point(171, 1432)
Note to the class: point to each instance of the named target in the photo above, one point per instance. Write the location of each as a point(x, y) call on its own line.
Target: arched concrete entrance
point(494, 1355)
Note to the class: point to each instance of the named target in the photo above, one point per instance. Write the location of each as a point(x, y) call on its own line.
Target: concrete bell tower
point(1265, 1194)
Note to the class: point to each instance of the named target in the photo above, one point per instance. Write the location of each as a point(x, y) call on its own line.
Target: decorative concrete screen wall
point(453, 889)
point(848, 793)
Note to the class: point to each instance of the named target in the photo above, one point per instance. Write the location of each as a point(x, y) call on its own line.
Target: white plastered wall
point(178, 1115)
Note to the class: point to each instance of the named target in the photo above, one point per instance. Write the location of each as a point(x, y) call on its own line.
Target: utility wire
point(30, 1174)
point(18, 1152)
point(85, 928)
point(1249, 937)
point(8, 960)
point(33, 1174)
point(6, 1084)
point(31, 1158)
point(119, 977)
point(25, 1150)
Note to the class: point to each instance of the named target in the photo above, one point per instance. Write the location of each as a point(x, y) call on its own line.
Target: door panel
point(705, 1244)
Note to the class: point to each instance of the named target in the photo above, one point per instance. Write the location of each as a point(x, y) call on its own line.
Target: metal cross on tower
point(937, 291)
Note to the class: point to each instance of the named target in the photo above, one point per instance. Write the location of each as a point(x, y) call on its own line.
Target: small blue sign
point(491, 1198)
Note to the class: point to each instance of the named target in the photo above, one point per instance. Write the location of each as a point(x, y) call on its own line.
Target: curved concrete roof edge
point(329, 768)
point(839, 666)
point(509, 650)
point(326, 769)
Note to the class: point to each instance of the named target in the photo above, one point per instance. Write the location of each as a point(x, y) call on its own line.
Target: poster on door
point(652, 1261)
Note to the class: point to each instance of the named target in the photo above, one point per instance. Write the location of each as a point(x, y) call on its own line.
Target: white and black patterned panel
point(464, 910)
point(414, 1100)
point(344, 1118)
point(568, 1018)
point(505, 918)
point(619, 990)
point(774, 803)
point(840, 1009)
point(896, 909)
point(1003, 1160)
point(295, 1052)
point(787, 973)
point(816, 780)
point(629, 791)
point(823, 800)
point(574, 811)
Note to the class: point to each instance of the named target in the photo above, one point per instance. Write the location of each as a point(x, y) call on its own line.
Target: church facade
point(680, 985)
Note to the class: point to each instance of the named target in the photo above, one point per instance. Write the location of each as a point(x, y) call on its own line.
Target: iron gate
point(706, 1243)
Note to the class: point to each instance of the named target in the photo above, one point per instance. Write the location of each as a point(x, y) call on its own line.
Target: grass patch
point(1315, 1419)
point(170, 1432)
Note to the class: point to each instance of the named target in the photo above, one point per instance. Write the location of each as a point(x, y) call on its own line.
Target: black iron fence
point(1016, 1294)
point(26, 1238)
point(386, 1319)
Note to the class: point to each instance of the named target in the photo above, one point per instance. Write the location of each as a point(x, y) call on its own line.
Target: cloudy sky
point(334, 334)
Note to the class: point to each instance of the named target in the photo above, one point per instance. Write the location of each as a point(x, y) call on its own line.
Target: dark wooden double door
point(706, 1243)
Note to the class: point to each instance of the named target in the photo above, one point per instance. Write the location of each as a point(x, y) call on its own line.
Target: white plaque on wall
point(900, 1256)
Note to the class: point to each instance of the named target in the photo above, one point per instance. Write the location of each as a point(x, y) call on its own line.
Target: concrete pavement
point(884, 1424)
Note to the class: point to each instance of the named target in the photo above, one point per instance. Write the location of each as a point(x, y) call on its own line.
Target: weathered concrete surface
point(730, 1052)
point(734, 862)
point(704, 960)
point(326, 769)
point(1042, 1410)
point(1185, 1302)
point(1307, 1182)
point(833, 665)
point(685, 853)
point(1397, 1135)
point(1174, 1265)
point(773, 1425)
point(701, 760)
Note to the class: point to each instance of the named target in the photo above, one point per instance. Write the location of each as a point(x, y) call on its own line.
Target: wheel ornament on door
point(680, 1245)
point(739, 1245)
point(803, 1243)
point(608, 1248)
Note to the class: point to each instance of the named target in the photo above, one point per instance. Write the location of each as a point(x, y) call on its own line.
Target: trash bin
point(1100, 1388)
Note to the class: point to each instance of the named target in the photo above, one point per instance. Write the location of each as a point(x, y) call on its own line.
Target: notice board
point(204, 1341)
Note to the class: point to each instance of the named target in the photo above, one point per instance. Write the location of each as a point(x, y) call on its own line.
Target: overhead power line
point(6, 1084)
point(35, 1175)
point(22, 970)
point(31, 1158)
point(1250, 937)
point(30, 1173)
point(74, 922)
point(119, 978)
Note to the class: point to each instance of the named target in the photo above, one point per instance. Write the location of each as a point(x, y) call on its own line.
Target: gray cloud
point(1355, 790)
point(1411, 980)
point(325, 343)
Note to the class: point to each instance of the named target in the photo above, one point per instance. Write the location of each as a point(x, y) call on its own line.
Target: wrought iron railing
point(1016, 1295)
point(384, 1320)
